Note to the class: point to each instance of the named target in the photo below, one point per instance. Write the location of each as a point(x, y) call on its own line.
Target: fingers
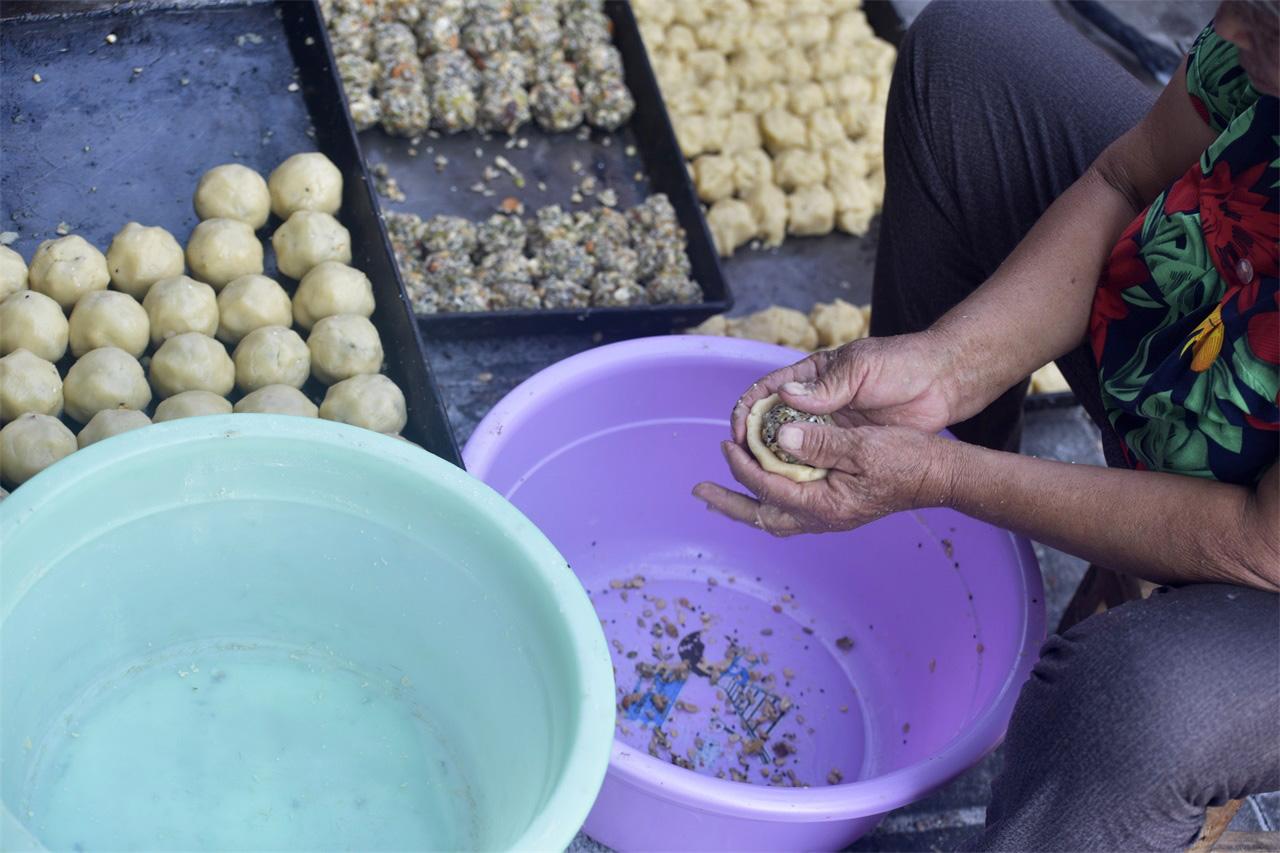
point(822, 445)
point(802, 371)
point(836, 382)
point(746, 510)
point(770, 488)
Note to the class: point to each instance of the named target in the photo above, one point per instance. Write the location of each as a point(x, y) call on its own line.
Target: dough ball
point(837, 323)
point(744, 133)
point(192, 404)
point(825, 129)
point(272, 355)
point(764, 420)
point(806, 98)
point(343, 346)
point(104, 378)
point(66, 269)
point(251, 302)
point(331, 288)
point(751, 169)
point(32, 321)
point(13, 272)
point(307, 240)
point(140, 256)
point(799, 167)
point(783, 130)
point(692, 133)
point(28, 383)
point(106, 318)
point(192, 362)
point(278, 400)
point(32, 443)
point(178, 305)
point(223, 249)
point(371, 401)
point(769, 207)
point(233, 191)
point(111, 422)
point(776, 325)
point(713, 175)
point(731, 224)
point(305, 182)
point(811, 211)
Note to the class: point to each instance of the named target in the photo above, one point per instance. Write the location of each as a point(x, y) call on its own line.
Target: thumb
point(819, 445)
point(832, 389)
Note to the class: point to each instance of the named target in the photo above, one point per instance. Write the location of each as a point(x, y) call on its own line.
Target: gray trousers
point(1136, 720)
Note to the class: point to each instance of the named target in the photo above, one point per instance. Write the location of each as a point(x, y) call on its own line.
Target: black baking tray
point(113, 134)
point(548, 160)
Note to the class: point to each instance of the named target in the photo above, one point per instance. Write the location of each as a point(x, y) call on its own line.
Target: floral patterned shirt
point(1185, 325)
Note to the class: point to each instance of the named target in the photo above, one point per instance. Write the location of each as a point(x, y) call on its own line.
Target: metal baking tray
point(122, 131)
point(548, 161)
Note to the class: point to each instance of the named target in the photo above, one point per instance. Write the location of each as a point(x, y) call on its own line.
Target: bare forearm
point(1161, 527)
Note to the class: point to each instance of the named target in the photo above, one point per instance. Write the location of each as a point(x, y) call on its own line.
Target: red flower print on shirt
point(1124, 269)
point(1263, 334)
point(1234, 222)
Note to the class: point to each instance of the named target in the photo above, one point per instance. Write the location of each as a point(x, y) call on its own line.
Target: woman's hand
point(897, 381)
point(873, 471)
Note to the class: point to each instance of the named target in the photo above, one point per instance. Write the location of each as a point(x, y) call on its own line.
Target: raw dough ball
point(180, 304)
point(799, 168)
point(806, 98)
point(251, 302)
point(343, 346)
point(104, 378)
point(744, 133)
point(837, 323)
point(32, 321)
point(105, 318)
point(782, 130)
point(272, 355)
point(278, 400)
point(713, 174)
point(776, 325)
point(192, 404)
point(111, 422)
point(307, 240)
point(812, 211)
point(222, 249)
point(825, 129)
point(66, 269)
point(751, 170)
point(769, 207)
point(28, 383)
point(731, 224)
point(233, 191)
point(371, 401)
point(767, 416)
point(32, 443)
point(716, 325)
point(305, 182)
point(331, 288)
point(140, 256)
point(13, 272)
point(192, 362)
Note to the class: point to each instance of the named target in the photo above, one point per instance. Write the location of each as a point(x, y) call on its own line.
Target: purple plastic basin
point(900, 646)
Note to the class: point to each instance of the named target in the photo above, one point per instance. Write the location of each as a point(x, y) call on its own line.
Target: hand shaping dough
point(192, 404)
point(343, 346)
point(180, 304)
point(222, 249)
point(763, 422)
point(104, 378)
point(30, 444)
point(32, 321)
point(272, 355)
point(233, 191)
point(192, 362)
point(278, 400)
point(111, 422)
point(106, 318)
point(371, 401)
point(66, 269)
point(13, 272)
point(140, 256)
point(28, 383)
point(331, 288)
point(305, 182)
point(307, 240)
point(251, 302)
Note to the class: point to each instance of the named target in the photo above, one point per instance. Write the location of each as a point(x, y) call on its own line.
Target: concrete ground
point(475, 375)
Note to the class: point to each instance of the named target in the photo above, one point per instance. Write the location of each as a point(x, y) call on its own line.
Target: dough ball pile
point(826, 326)
point(77, 326)
point(779, 107)
point(493, 65)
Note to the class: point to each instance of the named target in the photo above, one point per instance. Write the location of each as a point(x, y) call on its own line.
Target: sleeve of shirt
point(1216, 82)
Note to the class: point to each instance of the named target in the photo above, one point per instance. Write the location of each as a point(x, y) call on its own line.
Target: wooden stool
point(1101, 589)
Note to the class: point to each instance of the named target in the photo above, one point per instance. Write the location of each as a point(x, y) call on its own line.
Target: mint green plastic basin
point(261, 632)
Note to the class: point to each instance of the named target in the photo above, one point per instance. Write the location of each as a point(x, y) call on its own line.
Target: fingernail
point(790, 437)
point(798, 389)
